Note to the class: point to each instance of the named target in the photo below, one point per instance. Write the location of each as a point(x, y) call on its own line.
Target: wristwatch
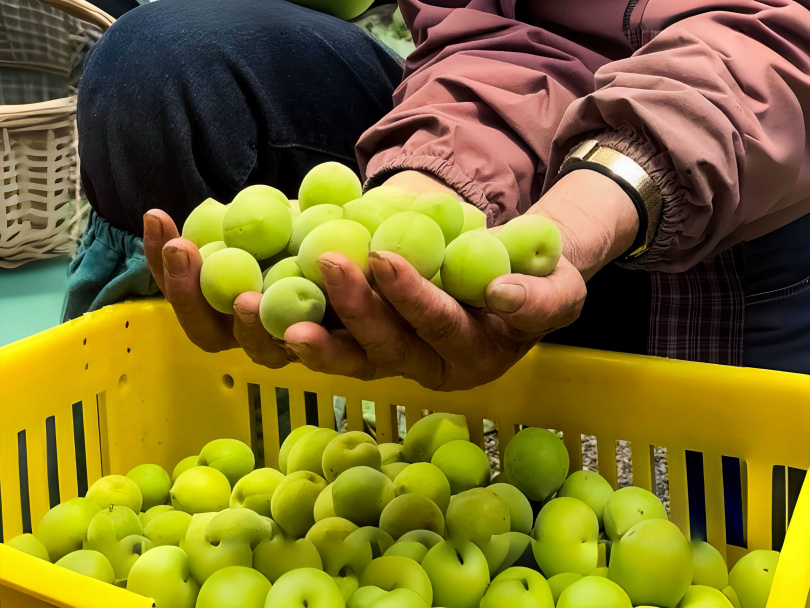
point(628, 174)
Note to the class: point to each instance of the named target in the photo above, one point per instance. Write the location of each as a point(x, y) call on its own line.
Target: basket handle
point(83, 10)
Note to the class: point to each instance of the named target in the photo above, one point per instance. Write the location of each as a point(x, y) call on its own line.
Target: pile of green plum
point(263, 242)
point(347, 523)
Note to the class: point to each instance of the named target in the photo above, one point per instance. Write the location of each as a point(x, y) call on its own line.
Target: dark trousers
point(186, 99)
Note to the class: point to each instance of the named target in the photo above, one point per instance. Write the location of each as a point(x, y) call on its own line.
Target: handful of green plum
point(445, 240)
point(344, 522)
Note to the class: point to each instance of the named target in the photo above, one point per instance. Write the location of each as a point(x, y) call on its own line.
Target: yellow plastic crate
point(124, 386)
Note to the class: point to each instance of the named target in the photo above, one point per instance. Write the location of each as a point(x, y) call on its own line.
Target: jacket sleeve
point(482, 97)
point(716, 107)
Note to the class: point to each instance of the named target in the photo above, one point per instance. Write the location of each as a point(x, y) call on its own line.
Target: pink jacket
point(712, 97)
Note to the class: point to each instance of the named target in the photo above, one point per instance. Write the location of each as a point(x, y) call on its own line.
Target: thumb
point(538, 305)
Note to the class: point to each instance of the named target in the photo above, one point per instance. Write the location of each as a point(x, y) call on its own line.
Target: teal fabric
point(109, 267)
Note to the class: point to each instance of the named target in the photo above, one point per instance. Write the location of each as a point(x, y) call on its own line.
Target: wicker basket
point(41, 51)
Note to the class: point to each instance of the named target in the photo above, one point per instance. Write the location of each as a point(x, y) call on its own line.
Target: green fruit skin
point(329, 183)
point(360, 494)
point(258, 223)
point(306, 454)
point(204, 223)
point(163, 574)
point(426, 479)
point(560, 582)
point(287, 267)
point(396, 198)
point(652, 562)
point(209, 248)
point(324, 507)
point(394, 469)
point(709, 567)
point(428, 434)
point(289, 301)
point(305, 587)
point(589, 487)
point(415, 237)
point(410, 549)
point(168, 528)
point(309, 220)
point(183, 466)
point(378, 540)
point(471, 262)
point(234, 587)
point(90, 563)
point(444, 209)
point(369, 212)
point(347, 450)
point(115, 490)
point(700, 596)
point(337, 236)
point(294, 502)
point(534, 244)
point(503, 550)
point(594, 591)
point(465, 465)
point(154, 483)
point(459, 582)
point(255, 490)
point(732, 597)
point(477, 515)
point(64, 528)
point(752, 577)
point(518, 588)
point(201, 489)
point(277, 556)
point(566, 537)
point(289, 441)
point(409, 512)
point(394, 572)
point(520, 510)
point(149, 515)
point(628, 506)
point(226, 274)
point(474, 218)
point(30, 544)
point(536, 462)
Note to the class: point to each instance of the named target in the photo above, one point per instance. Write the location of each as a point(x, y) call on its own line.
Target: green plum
point(566, 536)
point(328, 536)
point(395, 468)
point(210, 248)
point(306, 454)
point(309, 220)
point(652, 562)
point(183, 466)
point(282, 269)
point(90, 563)
point(257, 222)
point(289, 442)
point(360, 494)
point(409, 512)
point(226, 274)
point(337, 236)
point(64, 528)
point(324, 507)
point(30, 544)
point(305, 588)
point(520, 510)
point(410, 549)
point(201, 489)
point(534, 244)
point(397, 198)
point(116, 490)
point(560, 582)
point(415, 237)
point(394, 572)
point(369, 212)
point(347, 450)
point(593, 591)
point(536, 463)
point(518, 588)
point(154, 483)
point(379, 598)
point(255, 490)
point(426, 479)
point(234, 587)
point(628, 506)
point(347, 582)
point(204, 224)
point(700, 596)
point(476, 515)
point(163, 574)
point(752, 577)
point(444, 209)
point(149, 515)
point(329, 183)
point(231, 457)
point(428, 434)
point(708, 566)
point(589, 487)
point(391, 453)
point(458, 573)
point(279, 555)
point(167, 528)
point(293, 502)
point(289, 301)
point(474, 218)
point(732, 597)
point(429, 538)
point(465, 465)
point(502, 551)
point(471, 262)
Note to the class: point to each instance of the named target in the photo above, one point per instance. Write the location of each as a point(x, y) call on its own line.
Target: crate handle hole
point(227, 380)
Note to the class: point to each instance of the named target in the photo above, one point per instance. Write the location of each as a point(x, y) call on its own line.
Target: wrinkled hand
point(175, 263)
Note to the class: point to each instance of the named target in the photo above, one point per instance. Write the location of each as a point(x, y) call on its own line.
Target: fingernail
point(383, 268)
point(332, 273)
point(176, 261)
point(507, 297)
point(248, 317)
point(153, 227)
